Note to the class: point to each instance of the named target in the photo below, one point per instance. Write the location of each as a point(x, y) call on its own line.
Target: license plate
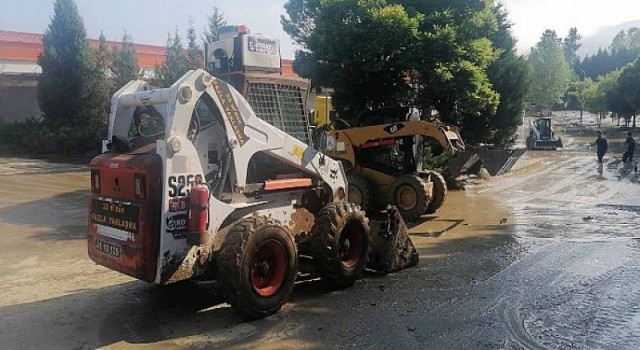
point(108, 248)
point(119, 216)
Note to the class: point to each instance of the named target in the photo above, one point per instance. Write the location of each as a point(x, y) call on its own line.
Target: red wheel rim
point(268, 268)
point(351, 245)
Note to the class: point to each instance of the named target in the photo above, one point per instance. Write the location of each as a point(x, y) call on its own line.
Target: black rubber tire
point(336, 226)
point(363, 186)
point(439, 194)
point(530, 142)
point(236, 268)
point(422, 200)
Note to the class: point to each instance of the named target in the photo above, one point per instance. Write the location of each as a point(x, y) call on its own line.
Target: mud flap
point(391, 248)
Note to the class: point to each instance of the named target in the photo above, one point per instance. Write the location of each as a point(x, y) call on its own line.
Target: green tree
point(510, 77)
point(624, 49)
point(576, 95)
point(368, 51)
point(629, 40)
point(618, 104)
point(214, 22)
point(124, 64)
point(103, 54)
point(592, 100)
point(103, 62)
point(195, 56)
point(72, 92)
point(453, 57)
point(359, 48)
point(629, 84)
point(551, 74)
point(596, 92)
point(454, 53)
point(175, 63)
point(71, 88)
point(571, 45)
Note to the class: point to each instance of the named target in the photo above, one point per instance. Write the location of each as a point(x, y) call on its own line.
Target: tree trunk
point(599, 119)
point(580, 115)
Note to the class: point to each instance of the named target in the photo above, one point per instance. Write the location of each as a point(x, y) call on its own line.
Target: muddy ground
point(544, 257)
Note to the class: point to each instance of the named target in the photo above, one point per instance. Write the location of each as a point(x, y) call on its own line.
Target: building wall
point(19, 69)
point(18, 98)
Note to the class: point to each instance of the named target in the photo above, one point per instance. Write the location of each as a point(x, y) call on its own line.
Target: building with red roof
point(19, 52)
point(19, 70)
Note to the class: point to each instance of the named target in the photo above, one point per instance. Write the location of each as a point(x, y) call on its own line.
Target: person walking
point(601, 148)
point(629, 148)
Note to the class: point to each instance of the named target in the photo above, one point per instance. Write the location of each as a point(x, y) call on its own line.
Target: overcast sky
point(149, 21)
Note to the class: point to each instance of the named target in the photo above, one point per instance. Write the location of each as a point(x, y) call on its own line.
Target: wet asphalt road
point(542, 258)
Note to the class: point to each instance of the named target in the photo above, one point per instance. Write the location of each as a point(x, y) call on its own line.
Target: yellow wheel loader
point(383, 164)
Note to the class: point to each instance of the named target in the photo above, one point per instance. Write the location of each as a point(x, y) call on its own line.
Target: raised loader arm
point(246, 134)
point(344, 141)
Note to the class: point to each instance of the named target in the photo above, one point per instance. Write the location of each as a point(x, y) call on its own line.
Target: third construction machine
point(383, 163)
point(541, 135)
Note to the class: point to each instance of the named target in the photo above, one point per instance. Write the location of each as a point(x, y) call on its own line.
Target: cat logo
point(393, 128)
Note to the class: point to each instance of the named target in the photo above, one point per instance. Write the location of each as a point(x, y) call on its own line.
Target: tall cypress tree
point(124, 64)
point(103, 61)
point(175, 63)
point(215, 21)
point(70, 90)
point(195, 56)
point(103, 54)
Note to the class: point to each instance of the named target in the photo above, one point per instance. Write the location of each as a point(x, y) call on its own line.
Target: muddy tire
point(530, 142)
point(360, 192)
point(339, 243)
point(439, 190)
point(257, 267)
point(409, 195)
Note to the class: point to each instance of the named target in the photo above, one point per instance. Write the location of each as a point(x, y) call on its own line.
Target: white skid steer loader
point(191, 184)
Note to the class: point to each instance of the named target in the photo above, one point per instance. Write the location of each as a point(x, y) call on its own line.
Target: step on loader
point(192, 185)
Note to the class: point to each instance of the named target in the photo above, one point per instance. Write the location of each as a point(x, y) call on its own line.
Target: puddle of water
point(561, 195)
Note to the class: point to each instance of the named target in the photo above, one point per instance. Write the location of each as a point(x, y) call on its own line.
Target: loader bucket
point(499, 161)
point(548, 144)
point(496, 161)
point(391, 247)
point(467, 162)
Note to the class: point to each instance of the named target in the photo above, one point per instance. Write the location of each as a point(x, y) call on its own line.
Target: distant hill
point(602, 38)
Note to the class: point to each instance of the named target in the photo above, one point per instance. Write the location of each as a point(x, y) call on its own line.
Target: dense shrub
point(37, 137)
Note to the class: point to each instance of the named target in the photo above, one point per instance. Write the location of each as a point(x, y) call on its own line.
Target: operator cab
point(544, 127)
